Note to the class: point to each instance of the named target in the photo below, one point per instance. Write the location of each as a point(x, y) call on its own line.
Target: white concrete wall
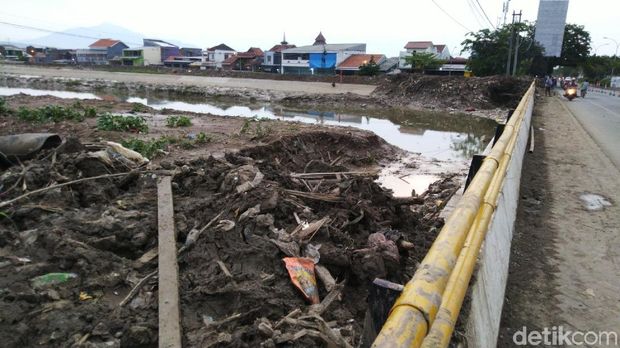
point(152, 55)
point(487, 293)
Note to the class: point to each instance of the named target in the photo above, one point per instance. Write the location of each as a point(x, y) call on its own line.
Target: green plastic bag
point(51, 279)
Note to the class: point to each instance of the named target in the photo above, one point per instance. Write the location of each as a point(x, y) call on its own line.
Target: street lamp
point(599, 46)
point(615, 54)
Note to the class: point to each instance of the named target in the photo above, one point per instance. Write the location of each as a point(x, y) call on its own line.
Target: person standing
point(548, 84)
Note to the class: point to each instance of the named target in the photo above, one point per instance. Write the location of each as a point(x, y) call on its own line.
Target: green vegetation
point(260, 129)
point(51, 113)
point(4, 109)
point(147, 148)
point(178, 121)
point(137, 107)
point(371, 68)
point(110, 122)
point(423, 61)
point(153, 147)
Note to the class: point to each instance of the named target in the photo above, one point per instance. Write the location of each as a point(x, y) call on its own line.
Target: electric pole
point(516, 59)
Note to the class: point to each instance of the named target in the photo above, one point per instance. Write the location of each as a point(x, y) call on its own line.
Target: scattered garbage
point(51, 279)
point(301, 272)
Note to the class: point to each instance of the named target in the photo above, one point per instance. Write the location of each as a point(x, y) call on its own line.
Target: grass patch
point(110, 122)
point(137, 107)
point(4, 109)
point(178, 121)
point(153, 147)
point(51, 113)
point(259, 130)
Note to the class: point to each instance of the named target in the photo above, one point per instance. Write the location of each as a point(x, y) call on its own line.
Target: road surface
point(565, 258)
point(199, 81)
point(600, 116)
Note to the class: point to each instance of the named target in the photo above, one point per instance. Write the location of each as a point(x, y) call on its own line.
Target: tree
point(371, 68)
point(489, 50)
point(575, 47)
point(423, 61)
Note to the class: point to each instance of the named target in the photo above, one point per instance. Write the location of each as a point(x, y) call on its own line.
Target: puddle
point(439, 142)
point(6, 91)
point(594, 202)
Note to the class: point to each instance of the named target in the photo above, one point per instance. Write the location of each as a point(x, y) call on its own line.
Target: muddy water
point(446, 141)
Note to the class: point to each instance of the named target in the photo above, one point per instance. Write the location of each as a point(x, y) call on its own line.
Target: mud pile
point(455, 92)
point(305, 195)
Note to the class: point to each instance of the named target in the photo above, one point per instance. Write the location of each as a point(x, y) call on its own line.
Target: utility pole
point(516, 59)
point(512, 32)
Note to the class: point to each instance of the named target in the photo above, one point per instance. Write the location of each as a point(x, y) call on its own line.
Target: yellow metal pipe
point(441, 330)
point(422, 296)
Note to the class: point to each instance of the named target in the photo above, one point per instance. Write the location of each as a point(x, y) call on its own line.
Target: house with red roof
point(216, 55)
point(100, 52)
point(351, 65)
point(251, 60)
point(273, 57)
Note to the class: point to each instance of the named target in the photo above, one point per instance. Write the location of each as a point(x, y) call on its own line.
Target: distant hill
point(82, 37)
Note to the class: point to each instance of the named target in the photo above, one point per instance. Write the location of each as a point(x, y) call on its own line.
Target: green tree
point(423, 61)
point(370, 68)
point(575, 47)
point(489, 50)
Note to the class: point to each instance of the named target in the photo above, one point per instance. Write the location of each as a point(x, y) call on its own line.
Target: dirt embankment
point(234, 288)
point(481, 95)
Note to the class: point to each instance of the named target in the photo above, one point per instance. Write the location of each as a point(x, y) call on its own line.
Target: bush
point(51, 113)
point(4, 109)
point(137, 107)
point(109, 122)
point(178, 121)
point(149, 148)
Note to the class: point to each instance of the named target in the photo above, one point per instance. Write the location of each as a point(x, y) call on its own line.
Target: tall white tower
point(550, 25)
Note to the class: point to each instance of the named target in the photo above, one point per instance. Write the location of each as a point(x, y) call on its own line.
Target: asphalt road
point(600, 117)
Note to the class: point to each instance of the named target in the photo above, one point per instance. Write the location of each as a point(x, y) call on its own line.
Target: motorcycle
point(571, 93)
point(583, 93)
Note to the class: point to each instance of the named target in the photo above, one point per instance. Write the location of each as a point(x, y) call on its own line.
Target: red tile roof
point(104, 43)
point(418, 45)
point(280, 48)
point(354, 61)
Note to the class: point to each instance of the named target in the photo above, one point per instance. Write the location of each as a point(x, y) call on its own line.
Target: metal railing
point(426, 312)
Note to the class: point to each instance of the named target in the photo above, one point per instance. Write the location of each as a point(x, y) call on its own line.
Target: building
point(183, 62)
point(100, 52)
point(141, 56)
point(13, 53)
point(319, 58)
point(251, 60)
point(351, 65)
point(550, 26)
point(50, 55)
point(190, 52)
point(413, 47)
point(273, 58)
point(167, 49)
point(216, 55)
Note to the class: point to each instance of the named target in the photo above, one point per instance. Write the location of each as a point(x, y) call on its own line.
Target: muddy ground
point(234, 288)
point(487, 97)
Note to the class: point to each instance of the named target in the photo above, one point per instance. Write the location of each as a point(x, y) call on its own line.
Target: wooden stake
point(169, 322)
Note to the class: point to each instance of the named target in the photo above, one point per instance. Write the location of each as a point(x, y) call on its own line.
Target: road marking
point(604, 108)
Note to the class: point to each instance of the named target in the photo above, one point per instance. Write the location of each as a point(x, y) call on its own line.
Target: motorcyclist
point(584, 88)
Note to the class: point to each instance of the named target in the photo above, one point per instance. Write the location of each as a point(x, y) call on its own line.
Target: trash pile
point(277, 244)
point(454, 92)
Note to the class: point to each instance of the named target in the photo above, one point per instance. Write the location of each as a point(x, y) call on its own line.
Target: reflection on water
point(434, 135)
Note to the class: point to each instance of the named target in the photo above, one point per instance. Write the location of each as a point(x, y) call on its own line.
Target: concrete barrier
point(488, 289)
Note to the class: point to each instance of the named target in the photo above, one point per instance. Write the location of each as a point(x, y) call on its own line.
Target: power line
point(476, 14)
point(21, 26)
point(485, 14)
point(447, 14)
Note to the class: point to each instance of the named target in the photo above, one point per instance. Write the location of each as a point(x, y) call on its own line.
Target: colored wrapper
point(301, 272)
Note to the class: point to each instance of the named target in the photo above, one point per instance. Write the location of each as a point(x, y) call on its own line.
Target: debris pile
point(454, 92)
point(277, 243)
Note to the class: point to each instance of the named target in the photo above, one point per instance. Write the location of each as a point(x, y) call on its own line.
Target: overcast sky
point(385, 26)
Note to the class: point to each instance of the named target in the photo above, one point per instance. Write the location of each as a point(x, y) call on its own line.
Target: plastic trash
point(301, 272)
point(51, 279)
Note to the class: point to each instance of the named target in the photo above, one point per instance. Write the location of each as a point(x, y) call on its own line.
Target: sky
point(384, 26)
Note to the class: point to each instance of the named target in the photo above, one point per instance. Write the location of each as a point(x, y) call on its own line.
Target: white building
point(440, 51)
point(214, 57)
